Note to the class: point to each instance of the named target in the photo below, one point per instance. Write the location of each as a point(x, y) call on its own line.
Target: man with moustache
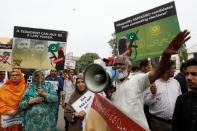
point(128, 96)
point(185, 113)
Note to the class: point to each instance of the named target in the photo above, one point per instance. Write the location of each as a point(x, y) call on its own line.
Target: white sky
point(90, 23)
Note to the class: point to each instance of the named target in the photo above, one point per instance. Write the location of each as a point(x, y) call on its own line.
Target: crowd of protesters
point(171, 102)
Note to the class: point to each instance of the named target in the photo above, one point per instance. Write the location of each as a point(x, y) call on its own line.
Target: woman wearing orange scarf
point(10, 95)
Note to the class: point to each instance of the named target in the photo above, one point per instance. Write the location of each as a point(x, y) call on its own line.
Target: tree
point(86, 60)
point(114, 45)
point(182, 53)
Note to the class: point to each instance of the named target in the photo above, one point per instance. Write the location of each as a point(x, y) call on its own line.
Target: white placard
point(54, 83)
point(7, 121)
point(84, 102)
point(70, 64)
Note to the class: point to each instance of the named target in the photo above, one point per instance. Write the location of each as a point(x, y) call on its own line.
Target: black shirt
point(180, 77)
point(185, 113)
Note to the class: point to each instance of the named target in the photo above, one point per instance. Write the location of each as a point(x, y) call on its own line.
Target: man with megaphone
point(128, 96)
point(99, 77)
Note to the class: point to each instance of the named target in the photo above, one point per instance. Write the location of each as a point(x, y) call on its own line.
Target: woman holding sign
point(10, 95)
point(75, 118)
point(39, 105)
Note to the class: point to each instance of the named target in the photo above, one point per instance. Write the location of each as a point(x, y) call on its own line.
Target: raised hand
point(172, 48)
point(177, 42)
point(41, 92)
point(153, 89)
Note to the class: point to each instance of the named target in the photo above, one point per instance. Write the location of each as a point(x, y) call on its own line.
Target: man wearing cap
point(108, 61)
point(128, 96)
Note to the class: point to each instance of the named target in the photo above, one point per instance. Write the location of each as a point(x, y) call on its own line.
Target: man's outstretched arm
point(172, 48)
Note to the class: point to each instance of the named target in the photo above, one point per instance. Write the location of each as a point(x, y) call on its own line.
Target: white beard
point(123, 74)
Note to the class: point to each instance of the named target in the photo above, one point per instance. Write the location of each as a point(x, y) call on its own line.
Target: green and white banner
point(148, 33)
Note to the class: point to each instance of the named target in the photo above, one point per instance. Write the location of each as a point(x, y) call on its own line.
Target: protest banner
point(5, 54)
point(35, 48)
point(104, 116)
point(148, 33)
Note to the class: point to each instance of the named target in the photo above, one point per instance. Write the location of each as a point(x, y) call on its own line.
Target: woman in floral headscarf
point(10, 95)
point(39, 105)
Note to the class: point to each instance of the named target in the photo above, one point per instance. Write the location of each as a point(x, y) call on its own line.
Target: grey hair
point(126, 59)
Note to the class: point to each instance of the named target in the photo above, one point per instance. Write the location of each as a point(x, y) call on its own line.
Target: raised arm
point(172, 48)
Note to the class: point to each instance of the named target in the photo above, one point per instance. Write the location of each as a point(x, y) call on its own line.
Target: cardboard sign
point(7, 121)
point(84, 102)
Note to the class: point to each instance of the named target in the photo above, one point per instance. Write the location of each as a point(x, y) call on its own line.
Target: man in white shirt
point(68, 85)
point(68, 90)
point(128, 96)
point(161, 98)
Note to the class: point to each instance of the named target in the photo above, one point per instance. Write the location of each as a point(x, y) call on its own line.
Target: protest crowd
point(111, 94)
point(171, 104)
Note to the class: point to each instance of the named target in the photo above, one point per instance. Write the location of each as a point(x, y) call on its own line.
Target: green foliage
point(86, 60)
point(113, 44)
point(183, 56)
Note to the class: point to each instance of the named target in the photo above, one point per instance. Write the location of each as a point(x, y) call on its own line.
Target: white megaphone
point(98, 77)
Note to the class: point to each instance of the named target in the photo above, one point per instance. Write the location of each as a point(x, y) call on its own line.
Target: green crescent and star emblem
point(132, 36)
point(53, 47)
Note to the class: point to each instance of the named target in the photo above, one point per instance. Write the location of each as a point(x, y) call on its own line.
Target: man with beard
point(128, 96)
point(185, 113)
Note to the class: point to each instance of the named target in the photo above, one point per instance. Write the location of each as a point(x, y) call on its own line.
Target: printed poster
point(5, 54)
point(148, 33)
point(35, 48)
